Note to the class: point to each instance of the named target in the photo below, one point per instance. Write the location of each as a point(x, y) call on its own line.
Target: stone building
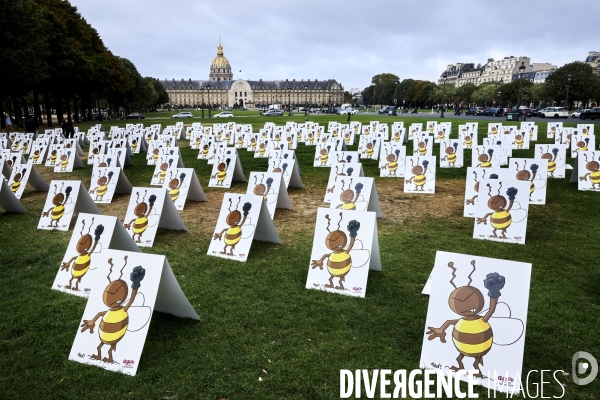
point(221, 90)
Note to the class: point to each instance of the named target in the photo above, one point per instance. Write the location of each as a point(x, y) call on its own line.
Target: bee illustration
point(348, 172)
point(508, 131)
point(586, 130)
point(17, 180)
point(175, 186)
point(95, 152)
point(311, 138)
point(531, 133)
point(472, 201)
point(233, 234)
point(279, 167)
point(16, 145)
point(149, 137)
point(500, 218)
point(142, 213)
point(422, 147)
point(582, 145)
point(419, 175)
point(370, 148)
point(253, 143)
point(85, 247)
point(524, 175)
point(205, 149)
point(162, 174)
point(565, 139)
point(102, 182)
point(36, 156)
point(104, 163)
point(485, 160)
point(397, 137)
point(290, 140)
point(347, 138)
point(551, 159)
point(494, 131)
point(441, 135)
point(594, 174)
point(262, 148)
point(260, 189)
point(451, 155)
point(472, 334)
point(221, 175)
point(392, 162)
point(519, 141)
point(278, 137)
point(134, 145)
point(240, 141)
point(59, 202)
point(324, 156)
point(53, 157)
point(228, 137)
point(115, 321)
point(154, 156)
point(468, 141)
point(431, 128)
point(552, 130)
point(350, 198)
point(342, 160)
point(339, 261)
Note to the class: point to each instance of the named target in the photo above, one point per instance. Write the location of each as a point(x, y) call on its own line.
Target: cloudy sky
point(349, 41)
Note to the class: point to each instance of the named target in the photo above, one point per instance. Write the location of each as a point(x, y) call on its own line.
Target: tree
point(582, 78)
point(385, 85)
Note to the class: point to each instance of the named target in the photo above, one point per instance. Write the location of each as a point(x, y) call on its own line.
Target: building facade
point(593, 59)
point(221, 90)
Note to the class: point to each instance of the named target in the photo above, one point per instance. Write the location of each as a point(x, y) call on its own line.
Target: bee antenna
point(82, 227)
point(350, 184)
point(91, 223)
point(262, 178)
point(344, 183)
point(475, 173)
point(490, 189)
point(451, 265)
point(255, 179)
point(500, 188)
point(470, 279)
point(340, 221)
point(62, 186)
point(517, 164)
point(412, 163)
point(55, 187)
point(230, 203)
point(145, 193)
point(483, 176)
point(238, 203)
point(585, 155)
point(110, 270)
point(525, 165)
point(328, 222)
point(125, 258)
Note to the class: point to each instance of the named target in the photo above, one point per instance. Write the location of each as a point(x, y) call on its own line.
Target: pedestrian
point(8, 122)
point(349, 116)
point(68, 130)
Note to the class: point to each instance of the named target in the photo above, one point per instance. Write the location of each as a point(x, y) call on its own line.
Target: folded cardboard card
point(106, 181)
point(64, 199)
point(339, 172)
point(451, 153)
point(289, 170)
point(183, 184)
point(392, 159)
point(356, 193)
point(227, 169)
point(8, 200)
point(556, 156)
point(419, 174)
point(271, 187)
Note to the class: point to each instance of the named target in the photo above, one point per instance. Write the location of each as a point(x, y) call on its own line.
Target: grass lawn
point(258, 321)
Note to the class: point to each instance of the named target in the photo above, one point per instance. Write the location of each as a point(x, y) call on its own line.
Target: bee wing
point(248, 230)
point(518, 214)
point(69, 207)
point(540, 182)
point(271, 197)
point(507, 330)
point(360, 257)
point(153, 219)
point(139, 314)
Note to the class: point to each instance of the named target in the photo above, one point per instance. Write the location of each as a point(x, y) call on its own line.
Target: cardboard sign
point(494, 129)
point(160, 170)
point(67, 159)
point(473, 185)
point(586, 129)
point(469, 137)
point(96, 149)
point(148, 210)
point(556, 156)
point(117, 315)
point(52, 158)
point(502, 148)
point(502, 209)
point(92, 234)
point(271, 187)
point(8, 201)
point(443, 131)
point(345, 248)
point(339, 172)
point(241, 220)
point(431, 127)
point(38, 152)
point(486, 156)
point(392, 160)
point(553, 129)
point(419, 174)
point(581, 143)
point(341, 157)
point(227, 169)
point(262, 151)
point(423, 145)
point(183, 184)
point(587, 171)
point(356, 193)
point(64, 199)
point(520, 139)
point(533, 171)
point(398, 135)
point(452, 151)
point(368, 147)
point(484, 302)
point(288, 169)
point(415, 129)
point(23, 174)
point(106, 182)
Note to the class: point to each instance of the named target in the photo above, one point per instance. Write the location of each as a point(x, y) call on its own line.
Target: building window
point(244, 94)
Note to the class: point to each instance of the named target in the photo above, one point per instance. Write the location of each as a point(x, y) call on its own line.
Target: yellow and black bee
point(260, 189)
point(370, 148)
point(422, 147)
point(85, 248)
point(451, 154)
point(500, 218)
point(323, 156)
point(102, 183)
point(233, 234)
point(58, 205)
point(392, 162)
point(485, 160)
point(16, 185)
point(582, 145)
point(524, 175)
point(175, 186)
point(594, 174)
point(419, 175)
point(551, 159)
point(141, 211)
point(348, 197)
point(221, 174)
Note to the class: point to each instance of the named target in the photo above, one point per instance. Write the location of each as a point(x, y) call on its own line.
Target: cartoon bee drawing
point(519, 141)
point(60, 202)
point(485, 160)
point(85, 247)
point(162, 173)
point(392, 162)
point(370, 148)
point(240, 140)
point(524, 175)
point(16, 185)
point(500, 217)
point(134, 145)
point(143, 215)
point(348, 172)
point(494, 131)
point(340, 260)
point(233, 234)
point(451, 155)
point(419, 175)
point(36, 156)
point(431, 128)
point(95, 152)
point(397, 137)
point(531, 129)
point(468, 141)
point(153, 157)
point(115, 322)
point(221, 174)
point(472, 334)
point(581, 145)
point(176, 186)
point(263, 190)
point(290, 140)
point(585, 130)
point(341, 159)
point(422, 147)
point(311, 138)
point(594, 171)
point(552, 159)
point(262, 149)
point(351, 199)
point(552, 132)
point(472, 200)
point(53, 155)
point(441, 135)
point(324, 156)
point(103, 162)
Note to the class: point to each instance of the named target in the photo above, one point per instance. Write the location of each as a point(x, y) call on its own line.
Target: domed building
point(221, 90)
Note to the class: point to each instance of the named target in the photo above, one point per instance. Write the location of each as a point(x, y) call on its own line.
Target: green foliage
point(582, 79)
point(385, 85)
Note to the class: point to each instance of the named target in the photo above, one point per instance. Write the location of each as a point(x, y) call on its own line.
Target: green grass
point(257, 315)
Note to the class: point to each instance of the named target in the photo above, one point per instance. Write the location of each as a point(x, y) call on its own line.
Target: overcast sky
point(350, 41)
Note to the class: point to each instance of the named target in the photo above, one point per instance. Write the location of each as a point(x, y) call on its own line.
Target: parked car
point(135, 116)
point(184, 114)
point(224, 114)
point(577, 114)
point(273, 113)
point(475, 111)
point(490, 112)
point(387, 109)
point(593, 113)
point(553, 112)
point(526, 110)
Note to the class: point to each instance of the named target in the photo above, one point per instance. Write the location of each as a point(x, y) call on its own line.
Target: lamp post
point(403, 100)
point(443, 97)
point(521, 70)
point(202, 92)
point(567, 100)
point(289, 91)
point(305, 100)
point(209, 106)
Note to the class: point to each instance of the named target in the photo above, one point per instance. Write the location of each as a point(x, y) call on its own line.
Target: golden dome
point(220, 61)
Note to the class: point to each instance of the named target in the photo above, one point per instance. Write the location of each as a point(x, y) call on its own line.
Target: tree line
point(52, 59)
point(583, 90)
